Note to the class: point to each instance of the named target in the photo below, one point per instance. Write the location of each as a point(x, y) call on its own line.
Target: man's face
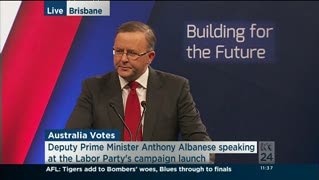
point(131, 42)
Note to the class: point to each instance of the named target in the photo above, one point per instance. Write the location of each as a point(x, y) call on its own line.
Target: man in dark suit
point(170, 106)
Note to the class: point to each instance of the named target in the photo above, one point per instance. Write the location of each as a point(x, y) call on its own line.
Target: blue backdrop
point(277, 100)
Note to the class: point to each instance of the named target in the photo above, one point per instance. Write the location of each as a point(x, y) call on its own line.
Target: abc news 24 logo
point(266, 153)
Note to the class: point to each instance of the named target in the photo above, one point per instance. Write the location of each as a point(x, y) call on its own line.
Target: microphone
point(143, 103)
point(118, 115)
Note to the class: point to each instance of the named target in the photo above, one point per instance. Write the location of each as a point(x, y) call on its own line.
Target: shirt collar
point(142, 80)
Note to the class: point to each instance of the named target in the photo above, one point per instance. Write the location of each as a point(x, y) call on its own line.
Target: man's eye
point(130, 52)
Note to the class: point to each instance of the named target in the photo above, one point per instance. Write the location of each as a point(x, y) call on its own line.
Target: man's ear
point(151, 56)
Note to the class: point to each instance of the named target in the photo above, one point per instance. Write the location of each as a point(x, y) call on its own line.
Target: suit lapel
point(112, 94)
point(153, 103)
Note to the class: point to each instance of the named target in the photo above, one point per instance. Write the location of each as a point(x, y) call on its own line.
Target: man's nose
point(124, 57)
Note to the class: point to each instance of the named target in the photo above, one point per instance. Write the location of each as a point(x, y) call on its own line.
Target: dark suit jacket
point(170, 107)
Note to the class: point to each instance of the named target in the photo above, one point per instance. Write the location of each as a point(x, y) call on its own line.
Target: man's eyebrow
point(130, 50)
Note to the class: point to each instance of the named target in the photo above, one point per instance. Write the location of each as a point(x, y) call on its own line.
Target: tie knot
point(133, 85)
